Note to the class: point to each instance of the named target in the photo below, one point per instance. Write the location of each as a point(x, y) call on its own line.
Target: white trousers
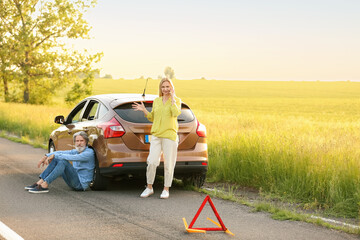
point(169, 149)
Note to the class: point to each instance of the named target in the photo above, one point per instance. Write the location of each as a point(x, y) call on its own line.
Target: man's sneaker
point(147, 192)
point(165, 194)
point(39, 189)
point(31, 186)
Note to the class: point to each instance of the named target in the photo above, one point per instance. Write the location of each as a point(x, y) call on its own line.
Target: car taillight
point(112, 129)
point(118, 165)
point(200, 130)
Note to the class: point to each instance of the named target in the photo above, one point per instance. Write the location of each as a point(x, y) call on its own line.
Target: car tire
point(99, 182)
point(196, 179)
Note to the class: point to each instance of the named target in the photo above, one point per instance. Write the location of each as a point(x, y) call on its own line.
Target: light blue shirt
point(84, 163)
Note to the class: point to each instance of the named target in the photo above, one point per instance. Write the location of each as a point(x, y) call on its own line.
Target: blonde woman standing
point(165, 110)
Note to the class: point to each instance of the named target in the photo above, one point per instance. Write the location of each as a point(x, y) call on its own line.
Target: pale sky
point(228, 40)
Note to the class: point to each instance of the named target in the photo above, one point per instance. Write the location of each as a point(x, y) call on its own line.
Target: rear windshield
point(126, 112)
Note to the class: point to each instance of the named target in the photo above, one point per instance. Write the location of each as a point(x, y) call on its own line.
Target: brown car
point(121, 137)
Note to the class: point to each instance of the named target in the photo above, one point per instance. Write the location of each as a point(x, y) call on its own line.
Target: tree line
point(35, 62)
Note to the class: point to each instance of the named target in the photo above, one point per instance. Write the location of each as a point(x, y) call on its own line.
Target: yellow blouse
point(164, 118)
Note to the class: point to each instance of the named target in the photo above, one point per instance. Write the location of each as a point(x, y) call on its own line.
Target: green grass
point(31, 123)
point(296, 140)
point(276, 212)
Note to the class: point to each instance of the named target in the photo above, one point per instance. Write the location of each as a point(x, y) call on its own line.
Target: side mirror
point(59, 119)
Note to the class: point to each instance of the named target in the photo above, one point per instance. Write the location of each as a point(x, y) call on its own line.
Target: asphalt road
point(119, 212)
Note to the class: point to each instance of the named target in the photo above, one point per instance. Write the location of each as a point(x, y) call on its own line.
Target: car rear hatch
point(138, 127)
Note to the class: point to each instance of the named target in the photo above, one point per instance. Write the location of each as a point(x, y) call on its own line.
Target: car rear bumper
point(181, 169)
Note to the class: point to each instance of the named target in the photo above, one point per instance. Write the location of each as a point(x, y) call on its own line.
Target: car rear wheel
point(99, 182)
point(196, 179)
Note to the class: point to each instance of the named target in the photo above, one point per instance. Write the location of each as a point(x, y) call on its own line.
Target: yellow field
point(297, 140)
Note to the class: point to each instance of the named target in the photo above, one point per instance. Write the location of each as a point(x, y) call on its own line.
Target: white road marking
point(7, 233)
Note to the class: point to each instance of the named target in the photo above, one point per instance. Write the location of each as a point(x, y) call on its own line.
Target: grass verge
point(37, 143)
point(276, 211)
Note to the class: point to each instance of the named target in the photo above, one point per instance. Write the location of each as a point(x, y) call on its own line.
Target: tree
point(5, 59)
point(108, 76)
point(36, 57)
point(4, 66)
point(169, 73)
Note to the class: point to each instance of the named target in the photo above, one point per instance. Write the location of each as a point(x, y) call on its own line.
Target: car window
point(94, 110)
point(102, 111)
point(91, 111)
point(75, 114)
point(186, 115)
point(126, 112)
point(92, 114)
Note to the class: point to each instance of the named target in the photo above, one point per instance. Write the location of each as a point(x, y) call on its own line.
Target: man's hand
point(45, 160)
point(42, 161)
point(49, 159)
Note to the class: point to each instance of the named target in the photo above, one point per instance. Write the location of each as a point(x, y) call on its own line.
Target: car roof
point(115, 99)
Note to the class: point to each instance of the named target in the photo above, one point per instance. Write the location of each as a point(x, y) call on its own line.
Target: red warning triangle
point(208, 199)
point(220, 224)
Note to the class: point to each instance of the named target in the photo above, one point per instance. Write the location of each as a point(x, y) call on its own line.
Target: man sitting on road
point(77, 175)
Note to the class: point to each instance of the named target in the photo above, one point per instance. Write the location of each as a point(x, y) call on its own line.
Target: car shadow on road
point(138, 184)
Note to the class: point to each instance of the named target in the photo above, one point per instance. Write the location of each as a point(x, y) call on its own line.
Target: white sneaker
point(147, 192)
point(164, 194)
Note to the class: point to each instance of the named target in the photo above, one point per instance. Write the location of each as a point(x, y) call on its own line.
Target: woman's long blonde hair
point(161, 82)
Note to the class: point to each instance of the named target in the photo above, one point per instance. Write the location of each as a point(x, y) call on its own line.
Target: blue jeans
point(62, 168)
